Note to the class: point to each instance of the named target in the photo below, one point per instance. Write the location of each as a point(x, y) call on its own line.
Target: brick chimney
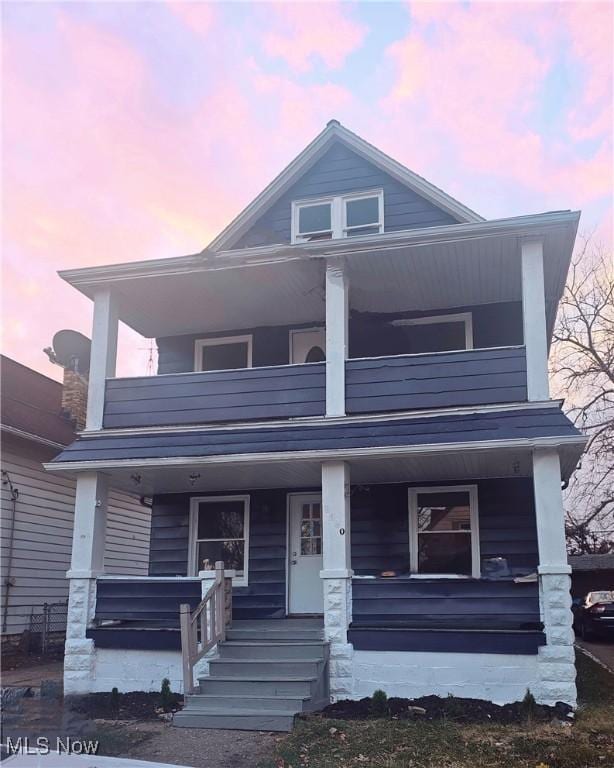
point(74, 397)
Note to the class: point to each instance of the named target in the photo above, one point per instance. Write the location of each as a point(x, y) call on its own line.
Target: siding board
point(444, 379)
point(43, 528)
point(218, 396)
point(339, 171)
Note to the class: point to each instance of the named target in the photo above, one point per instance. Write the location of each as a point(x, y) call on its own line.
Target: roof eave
point(87, 279)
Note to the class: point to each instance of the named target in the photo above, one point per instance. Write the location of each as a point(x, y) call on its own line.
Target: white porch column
point(103, 356)
point(556, 661)
point(337, 574)
point(337, 315)
point(87, 563)
point(534, 319)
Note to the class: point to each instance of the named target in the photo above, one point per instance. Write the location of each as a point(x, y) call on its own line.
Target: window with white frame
point(331, 218)
point(443, 531)
point(436, 333)
point(219, 530)
point(223, 353)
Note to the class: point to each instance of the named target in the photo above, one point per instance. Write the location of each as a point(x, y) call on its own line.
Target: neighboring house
point(590, 573)
point(38, 508)
point(352, 382)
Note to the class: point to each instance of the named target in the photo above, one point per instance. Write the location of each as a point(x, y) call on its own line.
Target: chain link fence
point(47, 631)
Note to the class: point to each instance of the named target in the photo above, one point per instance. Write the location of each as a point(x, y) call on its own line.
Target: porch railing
point(204, 627)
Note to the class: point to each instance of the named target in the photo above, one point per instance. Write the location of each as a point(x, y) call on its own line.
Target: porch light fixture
point(136, 478)
point(193, 478)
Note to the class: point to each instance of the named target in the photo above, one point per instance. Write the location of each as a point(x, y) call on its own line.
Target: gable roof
point(334, 131)
point(31, 406)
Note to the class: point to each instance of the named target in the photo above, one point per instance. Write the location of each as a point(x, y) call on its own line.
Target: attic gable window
point(336, 217)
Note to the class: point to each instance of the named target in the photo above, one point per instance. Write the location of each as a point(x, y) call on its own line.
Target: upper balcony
point(445, 317)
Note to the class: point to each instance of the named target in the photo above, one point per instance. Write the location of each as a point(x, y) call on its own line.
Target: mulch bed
point(450, 708)
point(123, 706)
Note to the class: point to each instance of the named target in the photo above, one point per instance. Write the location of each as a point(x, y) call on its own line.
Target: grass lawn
point(317, 742)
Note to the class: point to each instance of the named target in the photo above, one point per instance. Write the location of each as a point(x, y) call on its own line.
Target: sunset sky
point(138, 130)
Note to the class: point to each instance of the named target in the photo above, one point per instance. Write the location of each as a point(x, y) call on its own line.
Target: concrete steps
point(266, 672)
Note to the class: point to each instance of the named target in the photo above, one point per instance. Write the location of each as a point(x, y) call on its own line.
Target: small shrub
point(529, 705)
point(166, 695)
point(115, 702)
point(379, 703)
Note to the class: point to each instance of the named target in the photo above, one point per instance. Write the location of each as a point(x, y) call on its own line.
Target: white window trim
point(296, 331)
point(459, 317)
point(195, 502)
point(474, 520)
point(337, 214)
point(200, 344)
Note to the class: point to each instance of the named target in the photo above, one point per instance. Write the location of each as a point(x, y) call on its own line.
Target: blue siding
point(444, 604)
point(145, 603)
point(216, 396)
point(525, 642)
point(340, 171)
point(371, 335)
point(380, 526)
point(265, 597)
point(441, 380)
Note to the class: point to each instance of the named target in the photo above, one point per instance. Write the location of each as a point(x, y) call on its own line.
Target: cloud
point(303, 34)
point(472, 80)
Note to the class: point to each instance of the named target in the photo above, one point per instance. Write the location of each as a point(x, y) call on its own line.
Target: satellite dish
point(72, 350)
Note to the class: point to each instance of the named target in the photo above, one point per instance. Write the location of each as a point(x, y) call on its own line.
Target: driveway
point(32, 676)
point(602, 650)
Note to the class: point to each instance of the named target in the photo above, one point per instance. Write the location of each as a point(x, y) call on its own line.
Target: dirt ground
point(33, 674)
point(193, 747)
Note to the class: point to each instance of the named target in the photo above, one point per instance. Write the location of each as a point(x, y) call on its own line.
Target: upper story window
point(330, 218)
point(222, 354)
point(438, 333)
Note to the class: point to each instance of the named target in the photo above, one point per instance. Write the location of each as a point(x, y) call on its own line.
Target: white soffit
point(431, 268)
point(295, 474)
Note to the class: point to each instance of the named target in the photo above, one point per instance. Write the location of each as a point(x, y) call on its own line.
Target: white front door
point(307, 345)
point(305, 555)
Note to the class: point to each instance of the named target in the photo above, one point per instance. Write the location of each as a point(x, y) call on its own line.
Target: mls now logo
point(43, 746)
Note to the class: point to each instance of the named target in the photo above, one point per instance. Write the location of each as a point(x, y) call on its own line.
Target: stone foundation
point(337, 618)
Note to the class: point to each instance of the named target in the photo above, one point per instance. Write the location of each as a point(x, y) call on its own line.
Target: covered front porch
point(351, 538)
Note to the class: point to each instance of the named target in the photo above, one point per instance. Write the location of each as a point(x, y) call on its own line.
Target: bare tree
point(583, 367)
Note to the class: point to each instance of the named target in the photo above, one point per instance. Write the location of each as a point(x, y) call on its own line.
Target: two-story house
point(352, 412)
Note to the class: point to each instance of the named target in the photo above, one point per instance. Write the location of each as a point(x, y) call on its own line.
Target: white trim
point(86, 278)
point(379, 194)
point(215, 341)
point(424, 449)
point(335, 131)
point(321, 420)
point(15, 432)
point(195, 502)
point(472, 490)
point(103, 355)
point(294, 331)
point(458, 317)
point(534, 319)
point(338, 214)
point(337, 336)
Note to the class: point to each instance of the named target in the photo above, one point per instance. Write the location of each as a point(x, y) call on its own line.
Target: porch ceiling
point(305, 475)
point(432, 268)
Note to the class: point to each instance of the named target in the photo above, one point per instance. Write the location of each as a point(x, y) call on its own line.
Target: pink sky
point(138, 130)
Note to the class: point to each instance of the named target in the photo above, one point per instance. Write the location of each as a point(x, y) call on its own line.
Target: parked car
point(594, 616)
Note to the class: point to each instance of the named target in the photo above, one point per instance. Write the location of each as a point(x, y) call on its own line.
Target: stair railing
point(204, 627)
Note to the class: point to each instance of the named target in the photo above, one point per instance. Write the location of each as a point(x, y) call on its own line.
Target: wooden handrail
point(204, 627)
